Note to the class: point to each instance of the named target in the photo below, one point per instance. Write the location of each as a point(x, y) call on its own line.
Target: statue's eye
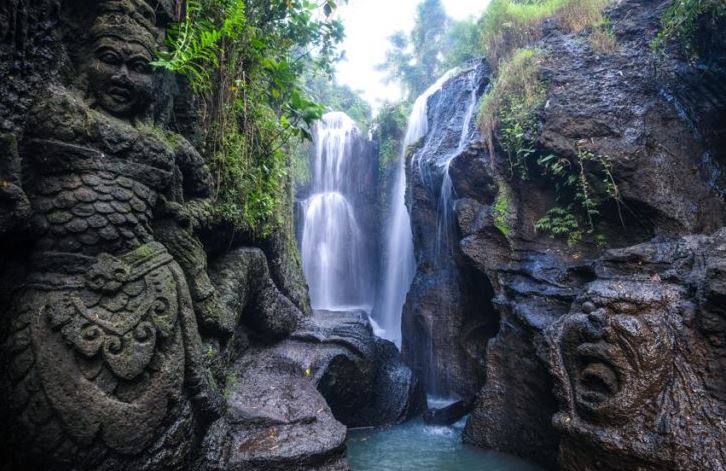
point(109, 58)
point(141, 67)
point(625, 307)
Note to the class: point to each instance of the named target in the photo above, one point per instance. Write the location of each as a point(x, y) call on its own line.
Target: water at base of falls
point(415, 446)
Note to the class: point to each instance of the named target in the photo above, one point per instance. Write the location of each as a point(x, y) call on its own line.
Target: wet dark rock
point(449, 415)
point(644, 396)
point(545, 396)
point(361, 376)
point(446, 315)
point(288, 403)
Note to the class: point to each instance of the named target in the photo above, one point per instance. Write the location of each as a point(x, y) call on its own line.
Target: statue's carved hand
point(14, 206)
point(176, 211)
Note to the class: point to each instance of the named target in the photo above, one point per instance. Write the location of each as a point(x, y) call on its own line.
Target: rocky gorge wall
point(447, 317)
point(138, 329)
point(587, 356)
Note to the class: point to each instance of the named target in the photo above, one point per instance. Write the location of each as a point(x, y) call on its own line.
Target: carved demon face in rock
point(118, 65)
point(617, 347)
point(120, 77)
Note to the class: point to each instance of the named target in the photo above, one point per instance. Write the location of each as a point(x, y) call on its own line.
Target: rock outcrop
point(288, 404)
point(638, 361)
point(447, 316)
point(590, 357)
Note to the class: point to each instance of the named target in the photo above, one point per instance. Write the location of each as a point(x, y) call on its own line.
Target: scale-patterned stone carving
point(104, 353)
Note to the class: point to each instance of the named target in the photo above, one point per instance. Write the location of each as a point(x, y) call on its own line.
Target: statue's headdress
point(127, 20)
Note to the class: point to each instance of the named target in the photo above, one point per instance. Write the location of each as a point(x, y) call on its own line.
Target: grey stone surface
point(663, 130)
point(289, 404)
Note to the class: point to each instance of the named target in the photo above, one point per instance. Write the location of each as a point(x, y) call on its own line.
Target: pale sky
point(368, 24)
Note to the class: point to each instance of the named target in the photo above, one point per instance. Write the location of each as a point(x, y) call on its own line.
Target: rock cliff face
point(137, 329)
point(590, 357)
point(448, 315)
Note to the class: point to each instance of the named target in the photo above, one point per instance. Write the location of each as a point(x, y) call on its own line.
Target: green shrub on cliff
point(246, 59)
point(561, 222)
point(390, 128)
point(681, 22)
point(509, 25)
point(512, 106)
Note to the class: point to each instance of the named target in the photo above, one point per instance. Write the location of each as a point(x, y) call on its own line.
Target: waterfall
point(440, 302)
point(399, 265)
point(335, 260)
point(445, 223)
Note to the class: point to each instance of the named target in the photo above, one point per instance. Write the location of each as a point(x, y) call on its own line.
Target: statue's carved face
point(120, 77)
point(618, 348)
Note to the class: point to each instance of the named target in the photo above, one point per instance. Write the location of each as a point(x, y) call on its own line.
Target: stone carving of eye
point(624, 307)
point(109, 58)
point(141, 67)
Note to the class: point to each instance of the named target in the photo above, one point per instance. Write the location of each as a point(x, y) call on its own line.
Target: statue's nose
point(597, 324)
point(123, 72)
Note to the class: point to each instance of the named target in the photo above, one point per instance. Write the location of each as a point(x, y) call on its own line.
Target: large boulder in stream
point(288, 405)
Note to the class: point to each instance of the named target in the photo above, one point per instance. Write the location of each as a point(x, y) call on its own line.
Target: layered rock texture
point(138, 330)
point(585, 356)
point(447, 318)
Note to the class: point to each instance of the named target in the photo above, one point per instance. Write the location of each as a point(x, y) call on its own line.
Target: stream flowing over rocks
point(141, 330)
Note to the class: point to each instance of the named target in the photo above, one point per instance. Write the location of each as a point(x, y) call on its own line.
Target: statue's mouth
point(120, 94)
point(597, 378)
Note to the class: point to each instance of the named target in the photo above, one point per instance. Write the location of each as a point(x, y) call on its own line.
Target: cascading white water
point(439, 295)
point(399, 265)
point(448, 195)
point(333, 249)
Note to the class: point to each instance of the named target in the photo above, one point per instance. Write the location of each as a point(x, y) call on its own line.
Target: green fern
point(194, 43)
point(681, 22)
point(560, 222)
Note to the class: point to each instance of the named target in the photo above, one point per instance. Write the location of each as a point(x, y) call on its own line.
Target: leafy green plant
point(680, 22)
point(390, 127)
point(561, 222)
point(576, 180)
point(194, 43)
point(512, 106)
point(503, 209)
point(246, 61)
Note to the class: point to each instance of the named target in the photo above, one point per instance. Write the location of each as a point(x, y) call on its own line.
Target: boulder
point(450, 414)
point(288, 404)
